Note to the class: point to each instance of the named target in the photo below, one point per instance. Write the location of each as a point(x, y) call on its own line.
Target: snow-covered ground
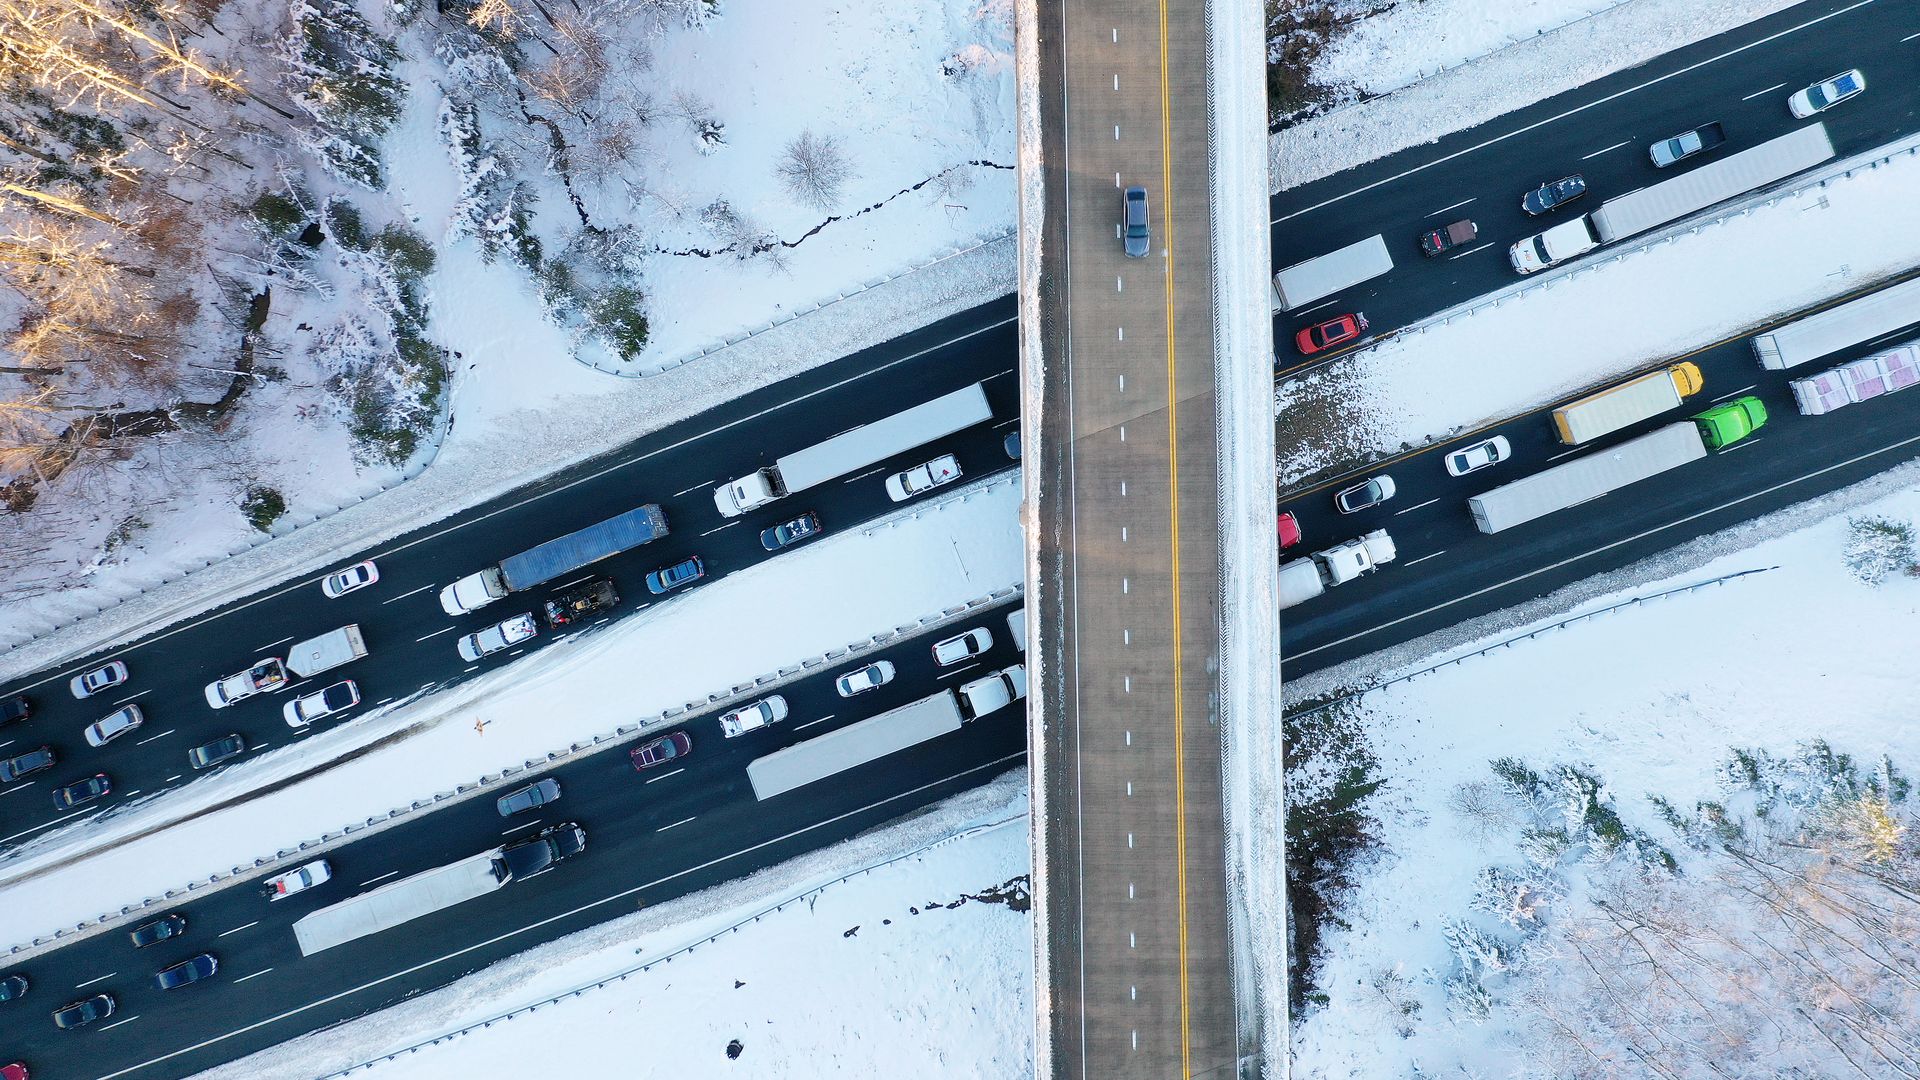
point(1407, 42)
point(917, 91)
point(1651, 699)
point(1609, 317)
point(1614, 39)
point(706, 642)
point(920, 966)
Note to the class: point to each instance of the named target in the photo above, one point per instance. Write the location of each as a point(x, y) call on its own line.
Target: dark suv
point(27, 764)
point(668, 578)
point(15, 708)
point(217, 751)
point(1138, 235)
point(190, 970)
point(161, 929)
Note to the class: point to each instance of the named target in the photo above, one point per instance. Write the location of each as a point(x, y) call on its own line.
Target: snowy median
point(706, 642)
point(1617, 312)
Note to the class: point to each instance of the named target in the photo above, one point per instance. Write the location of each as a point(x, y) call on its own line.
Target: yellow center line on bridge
point(1173, 513)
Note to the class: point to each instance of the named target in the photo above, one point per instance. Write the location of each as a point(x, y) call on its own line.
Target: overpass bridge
point(1150, 452)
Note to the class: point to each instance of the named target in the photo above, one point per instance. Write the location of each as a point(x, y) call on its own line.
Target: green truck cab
point(1728, 423)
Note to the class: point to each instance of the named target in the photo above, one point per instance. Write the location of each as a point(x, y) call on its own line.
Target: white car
point(872, 677)
point(1478, 456)
point(902, 486)
point(341, 582)
point(1820, 97)
point(763, 713)
point(962, 646)
point(1365, 495)
point(337, 698)
point(299, 879)
point(104, 677)
point(499, 636)
point(113, 725)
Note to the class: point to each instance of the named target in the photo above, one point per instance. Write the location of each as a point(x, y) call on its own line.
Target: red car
point(1289, 531)
point(15, 1071)
point(1334, 332)
point(660, 751)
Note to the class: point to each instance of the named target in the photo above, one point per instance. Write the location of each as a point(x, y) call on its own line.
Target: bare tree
point(814, 169)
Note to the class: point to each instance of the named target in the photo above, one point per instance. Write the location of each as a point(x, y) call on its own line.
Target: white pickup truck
point(763, 713)
point(267, 675)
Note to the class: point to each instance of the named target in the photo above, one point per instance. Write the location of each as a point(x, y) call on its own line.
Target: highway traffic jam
point(853, 743)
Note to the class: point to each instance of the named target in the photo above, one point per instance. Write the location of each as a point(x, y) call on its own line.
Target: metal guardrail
point(1562, 624)
point(624, 733)
point(805, 896)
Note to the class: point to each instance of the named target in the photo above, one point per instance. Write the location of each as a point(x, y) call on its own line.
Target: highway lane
point(412, 641)
point(1447, 571)
point(650, 837)
point(1601, 130)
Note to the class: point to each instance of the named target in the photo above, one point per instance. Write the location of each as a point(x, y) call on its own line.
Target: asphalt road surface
point(1139, 961)
point(1447, 571)
point(651, 836)
point(411, 641)
point(1601, 130)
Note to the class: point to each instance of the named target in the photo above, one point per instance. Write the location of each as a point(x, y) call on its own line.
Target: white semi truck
point(1304, 579)
point(851, 451)
point(889, 733)
point(429, 891)
point(1841, 326)
point(1323, 275)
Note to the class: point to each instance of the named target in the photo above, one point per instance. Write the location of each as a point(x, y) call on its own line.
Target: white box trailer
point(1841, 326)
point(1587, 477)
point(329, 650)
point(856, 449)
point(854, 745)
point(1320, 277)
point(1693, 191)
point(1849, 384)
point(400, 901)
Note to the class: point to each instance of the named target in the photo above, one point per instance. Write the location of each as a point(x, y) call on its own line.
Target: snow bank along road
point(1601, 130)
point(1139, 972)
point(651, 836)
point(1447, 571)
point(411, 640)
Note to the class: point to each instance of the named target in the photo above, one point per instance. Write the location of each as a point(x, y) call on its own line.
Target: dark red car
point(660, 751)
point(1289, 530)
point(1341, 330)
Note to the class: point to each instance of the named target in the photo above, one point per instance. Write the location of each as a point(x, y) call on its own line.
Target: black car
point(13, 987)
point(15, 708)
point(82, 792)
point(1554, 194)
point(97, 1007)
point(27, 764)
point(1447, 237)
point(217, 751)
point(190, 970)
point(160, 929)
point(578, 603)
point(788, 533)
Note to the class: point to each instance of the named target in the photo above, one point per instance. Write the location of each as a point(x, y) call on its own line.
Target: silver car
point(104, 677)
point(531, 797)
point(113, 725)
point(872, 677)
